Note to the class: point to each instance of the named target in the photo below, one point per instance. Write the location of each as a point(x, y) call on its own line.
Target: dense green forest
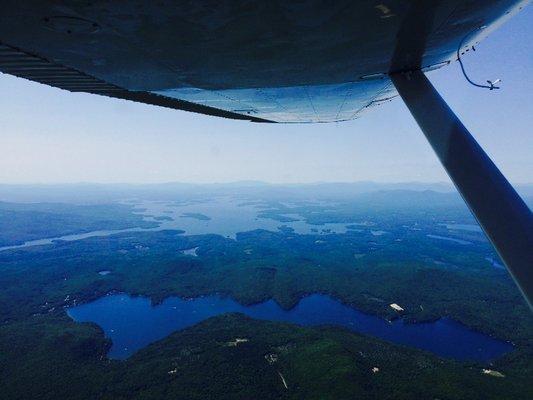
point(21, 222)
point(44, 354)
point(50, 357)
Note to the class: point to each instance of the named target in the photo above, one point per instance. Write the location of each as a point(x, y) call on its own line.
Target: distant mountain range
point(87, 193)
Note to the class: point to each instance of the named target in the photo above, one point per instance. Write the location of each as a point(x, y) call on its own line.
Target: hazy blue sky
point(48, 135)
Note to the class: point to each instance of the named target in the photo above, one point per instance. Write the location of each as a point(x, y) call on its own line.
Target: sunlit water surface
point(227, 217)
point(132, 323)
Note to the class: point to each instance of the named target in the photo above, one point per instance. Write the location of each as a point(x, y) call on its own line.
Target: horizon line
point(243, 182)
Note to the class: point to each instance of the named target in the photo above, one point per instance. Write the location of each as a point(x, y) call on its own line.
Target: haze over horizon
point(243, 182)
point(53, 136)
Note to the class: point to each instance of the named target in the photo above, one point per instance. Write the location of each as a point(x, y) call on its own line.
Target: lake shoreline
point(195, 310)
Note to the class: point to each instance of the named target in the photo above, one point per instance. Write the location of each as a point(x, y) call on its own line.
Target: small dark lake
point(132, 323)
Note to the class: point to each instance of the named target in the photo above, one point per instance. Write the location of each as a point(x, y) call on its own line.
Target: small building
point(491, 372)
point(396, 307)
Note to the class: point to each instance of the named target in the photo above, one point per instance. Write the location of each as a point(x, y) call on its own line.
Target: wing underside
point(274, 61)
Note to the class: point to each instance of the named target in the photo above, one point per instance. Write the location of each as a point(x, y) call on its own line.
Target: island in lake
point(198, 216)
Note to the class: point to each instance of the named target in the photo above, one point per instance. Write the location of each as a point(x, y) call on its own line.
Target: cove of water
point(463, 227)
point(226, 217)
point(132, 323)
point(449, 239)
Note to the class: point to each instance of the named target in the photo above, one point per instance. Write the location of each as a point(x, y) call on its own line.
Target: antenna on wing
point(491, 84)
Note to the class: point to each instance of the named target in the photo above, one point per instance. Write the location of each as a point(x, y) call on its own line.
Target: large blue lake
point(132, 323)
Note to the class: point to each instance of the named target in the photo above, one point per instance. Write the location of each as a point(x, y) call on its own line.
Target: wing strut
point(502, 214)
